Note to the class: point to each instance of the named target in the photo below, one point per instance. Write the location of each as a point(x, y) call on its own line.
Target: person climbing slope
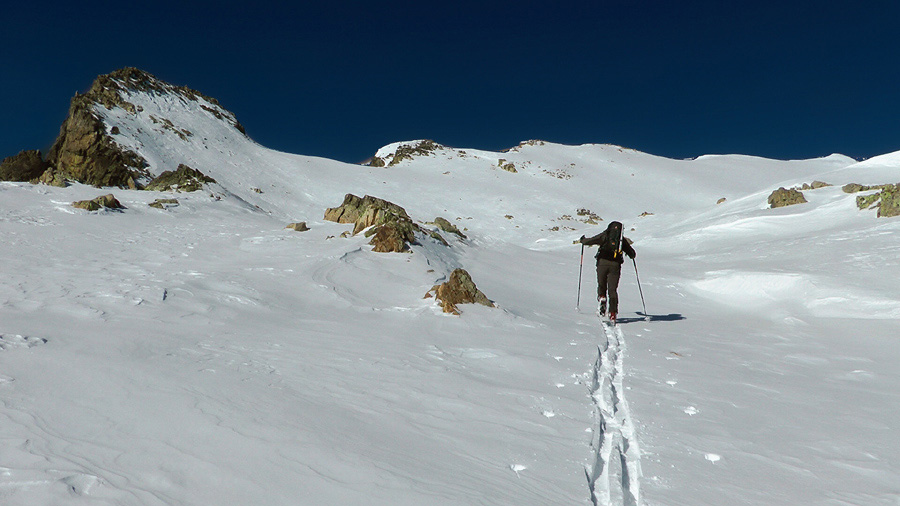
point(613, 246)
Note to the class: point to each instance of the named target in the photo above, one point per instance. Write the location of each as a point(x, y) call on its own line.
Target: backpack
point(612, 246)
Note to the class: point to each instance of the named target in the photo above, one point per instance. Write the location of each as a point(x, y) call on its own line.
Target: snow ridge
point(614, 477)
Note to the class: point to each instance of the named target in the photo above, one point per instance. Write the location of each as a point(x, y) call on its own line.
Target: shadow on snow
point(652, 318)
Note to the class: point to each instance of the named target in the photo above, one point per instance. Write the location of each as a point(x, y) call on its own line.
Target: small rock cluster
point(507, 166)
point(392, 230)
point(183, 179)
point(783, 197)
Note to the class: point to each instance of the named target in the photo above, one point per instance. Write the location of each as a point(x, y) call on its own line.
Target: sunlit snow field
point(205, 355)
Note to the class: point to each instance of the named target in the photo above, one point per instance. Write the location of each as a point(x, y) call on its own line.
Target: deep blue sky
point(339, 79)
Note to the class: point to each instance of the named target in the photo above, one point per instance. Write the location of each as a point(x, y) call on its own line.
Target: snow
point(203, 354)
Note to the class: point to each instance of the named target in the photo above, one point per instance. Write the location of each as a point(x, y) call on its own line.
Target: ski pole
point(580, 268)
point(639, 286)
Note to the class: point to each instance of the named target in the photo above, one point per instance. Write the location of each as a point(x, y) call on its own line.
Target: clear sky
point(341, 78)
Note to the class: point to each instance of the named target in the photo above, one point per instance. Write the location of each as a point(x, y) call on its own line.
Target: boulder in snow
point(298, 227)
point(106, 201)
point(786, 197)
point(459, 289)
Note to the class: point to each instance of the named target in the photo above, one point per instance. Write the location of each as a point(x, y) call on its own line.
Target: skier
point(609, 265)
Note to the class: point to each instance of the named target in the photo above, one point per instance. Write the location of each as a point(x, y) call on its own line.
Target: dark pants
point(608, 274)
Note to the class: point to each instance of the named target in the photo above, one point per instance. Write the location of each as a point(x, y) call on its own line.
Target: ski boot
point(612, 318)
point(601, 306)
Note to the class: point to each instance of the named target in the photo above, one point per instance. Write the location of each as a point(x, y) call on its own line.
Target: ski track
point(615, 473)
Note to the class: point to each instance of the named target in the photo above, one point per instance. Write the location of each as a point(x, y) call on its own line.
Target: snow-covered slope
point(203, 354)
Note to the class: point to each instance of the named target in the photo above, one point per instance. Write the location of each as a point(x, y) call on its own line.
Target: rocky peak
point(85, 152)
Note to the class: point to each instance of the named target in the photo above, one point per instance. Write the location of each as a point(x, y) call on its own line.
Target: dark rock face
point(25, 166)
point(786, 197)
point(459, 289)
point(183, 179)
point(84, 153)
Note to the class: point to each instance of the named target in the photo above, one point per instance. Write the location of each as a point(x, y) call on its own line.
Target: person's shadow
point(652, 318)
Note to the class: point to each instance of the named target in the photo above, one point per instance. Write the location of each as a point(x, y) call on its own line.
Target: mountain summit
point(101, 140)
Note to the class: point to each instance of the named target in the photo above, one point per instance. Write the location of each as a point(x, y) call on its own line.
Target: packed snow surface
point(202, 354)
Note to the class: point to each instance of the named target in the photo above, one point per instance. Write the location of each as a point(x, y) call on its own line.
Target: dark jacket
point(608, 240)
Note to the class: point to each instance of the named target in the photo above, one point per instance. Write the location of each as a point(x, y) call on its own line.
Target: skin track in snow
point(615, 474)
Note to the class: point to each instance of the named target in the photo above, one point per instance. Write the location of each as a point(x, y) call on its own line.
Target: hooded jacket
point(607, 240)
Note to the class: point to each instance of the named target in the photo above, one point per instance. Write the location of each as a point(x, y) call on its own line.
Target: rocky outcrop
point(531, 142)
point(507, 166)
point(405, 151)
point(887, 201)
point(183, 179)
point(364, 212)
point(105, 201)
point(25, 166)
point(391, 229)
point(459, 289)
point(783, 197)
point(445, 225)
point(86, 153)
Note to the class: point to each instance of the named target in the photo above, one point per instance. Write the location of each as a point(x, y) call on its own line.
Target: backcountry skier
point(612, 244)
